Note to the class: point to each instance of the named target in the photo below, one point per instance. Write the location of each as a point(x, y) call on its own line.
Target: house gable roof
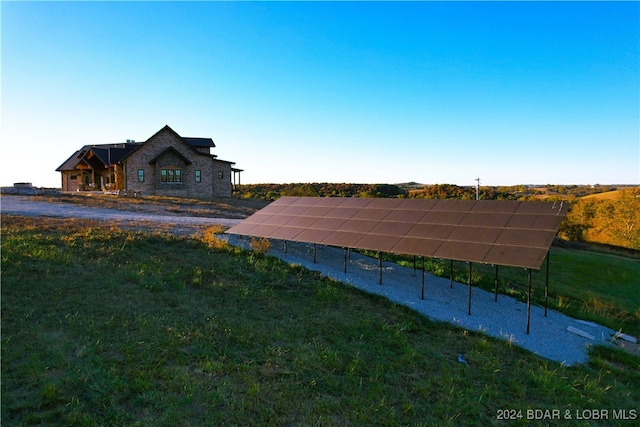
point(192, 143)
point(71, 163)
point(106, 153)
point(199, 142)
point(167, 151)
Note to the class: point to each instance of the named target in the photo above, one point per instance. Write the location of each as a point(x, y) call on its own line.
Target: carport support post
point(422, 277)
point(284, 247)
point(451, 275)
point(546, 286)
point(414, 266)
point(345, 260)
point(529, 300)
point(469, 303)
point(380, 265)
point(496, 283)
point(314, 253)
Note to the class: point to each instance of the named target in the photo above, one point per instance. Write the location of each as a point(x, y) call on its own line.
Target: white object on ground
point(625, 337)
point(580, 332)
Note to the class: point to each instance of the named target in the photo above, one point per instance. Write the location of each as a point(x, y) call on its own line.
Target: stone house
point(166, 164)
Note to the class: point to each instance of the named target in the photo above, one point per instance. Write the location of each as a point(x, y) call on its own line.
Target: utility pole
point(477, 189)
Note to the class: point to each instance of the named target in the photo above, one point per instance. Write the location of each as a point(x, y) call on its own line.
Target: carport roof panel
point(443, 217)
point(516, 256)
point(431, 231)
point(498, 232)
point(302, 221)
point(533, 238)
point(258, 218)
point(278, 219)
point(486, 235)
point(373, 214)
point(542, 208)
point(317, 211)
point(243, 228)
point(272, 208)
point(377, 242)
point(293, 210)
point(301, 201)
point(342, 212)
point(496, 206)
point(453, 205)
point(391, 228)
point(388, 204)
point(312, 236)
point(352, 202)
point(405, 215)
point(331, 202)
point(486, 219)
point(417, 246)
point(357, 225)
point(330, 224)
point(417, 204)
point(346, 239)
point(286, 233)
point(263, 230)
point(535, 222)
point(462, 251)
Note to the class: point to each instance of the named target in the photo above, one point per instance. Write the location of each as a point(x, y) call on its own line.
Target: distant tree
point(577, 222)
point(622, 216)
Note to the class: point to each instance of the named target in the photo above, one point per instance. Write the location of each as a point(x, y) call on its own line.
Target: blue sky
point(511, 92)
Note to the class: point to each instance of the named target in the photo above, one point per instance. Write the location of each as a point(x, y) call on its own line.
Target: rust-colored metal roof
point(508, 233)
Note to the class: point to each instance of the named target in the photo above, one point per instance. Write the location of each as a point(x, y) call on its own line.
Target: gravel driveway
point(24, 205)
point(549, 336)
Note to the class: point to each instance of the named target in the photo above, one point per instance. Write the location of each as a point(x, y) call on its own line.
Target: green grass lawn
point(102, 326)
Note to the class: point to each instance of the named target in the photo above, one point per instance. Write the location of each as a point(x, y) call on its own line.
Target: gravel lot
point(505, 319)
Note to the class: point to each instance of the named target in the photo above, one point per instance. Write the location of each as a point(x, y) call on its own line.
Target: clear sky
point(511, 92)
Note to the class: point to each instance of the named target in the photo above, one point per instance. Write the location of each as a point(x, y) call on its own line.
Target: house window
point(74, 177)
point(140, 175)
point(220, 175)
point(170, 175)
point(198, 176)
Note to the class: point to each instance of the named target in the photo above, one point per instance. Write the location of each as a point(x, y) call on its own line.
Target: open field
point(103, 326)
point(609, 195)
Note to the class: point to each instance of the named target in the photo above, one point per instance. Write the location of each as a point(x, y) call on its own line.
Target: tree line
point(274, 191)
